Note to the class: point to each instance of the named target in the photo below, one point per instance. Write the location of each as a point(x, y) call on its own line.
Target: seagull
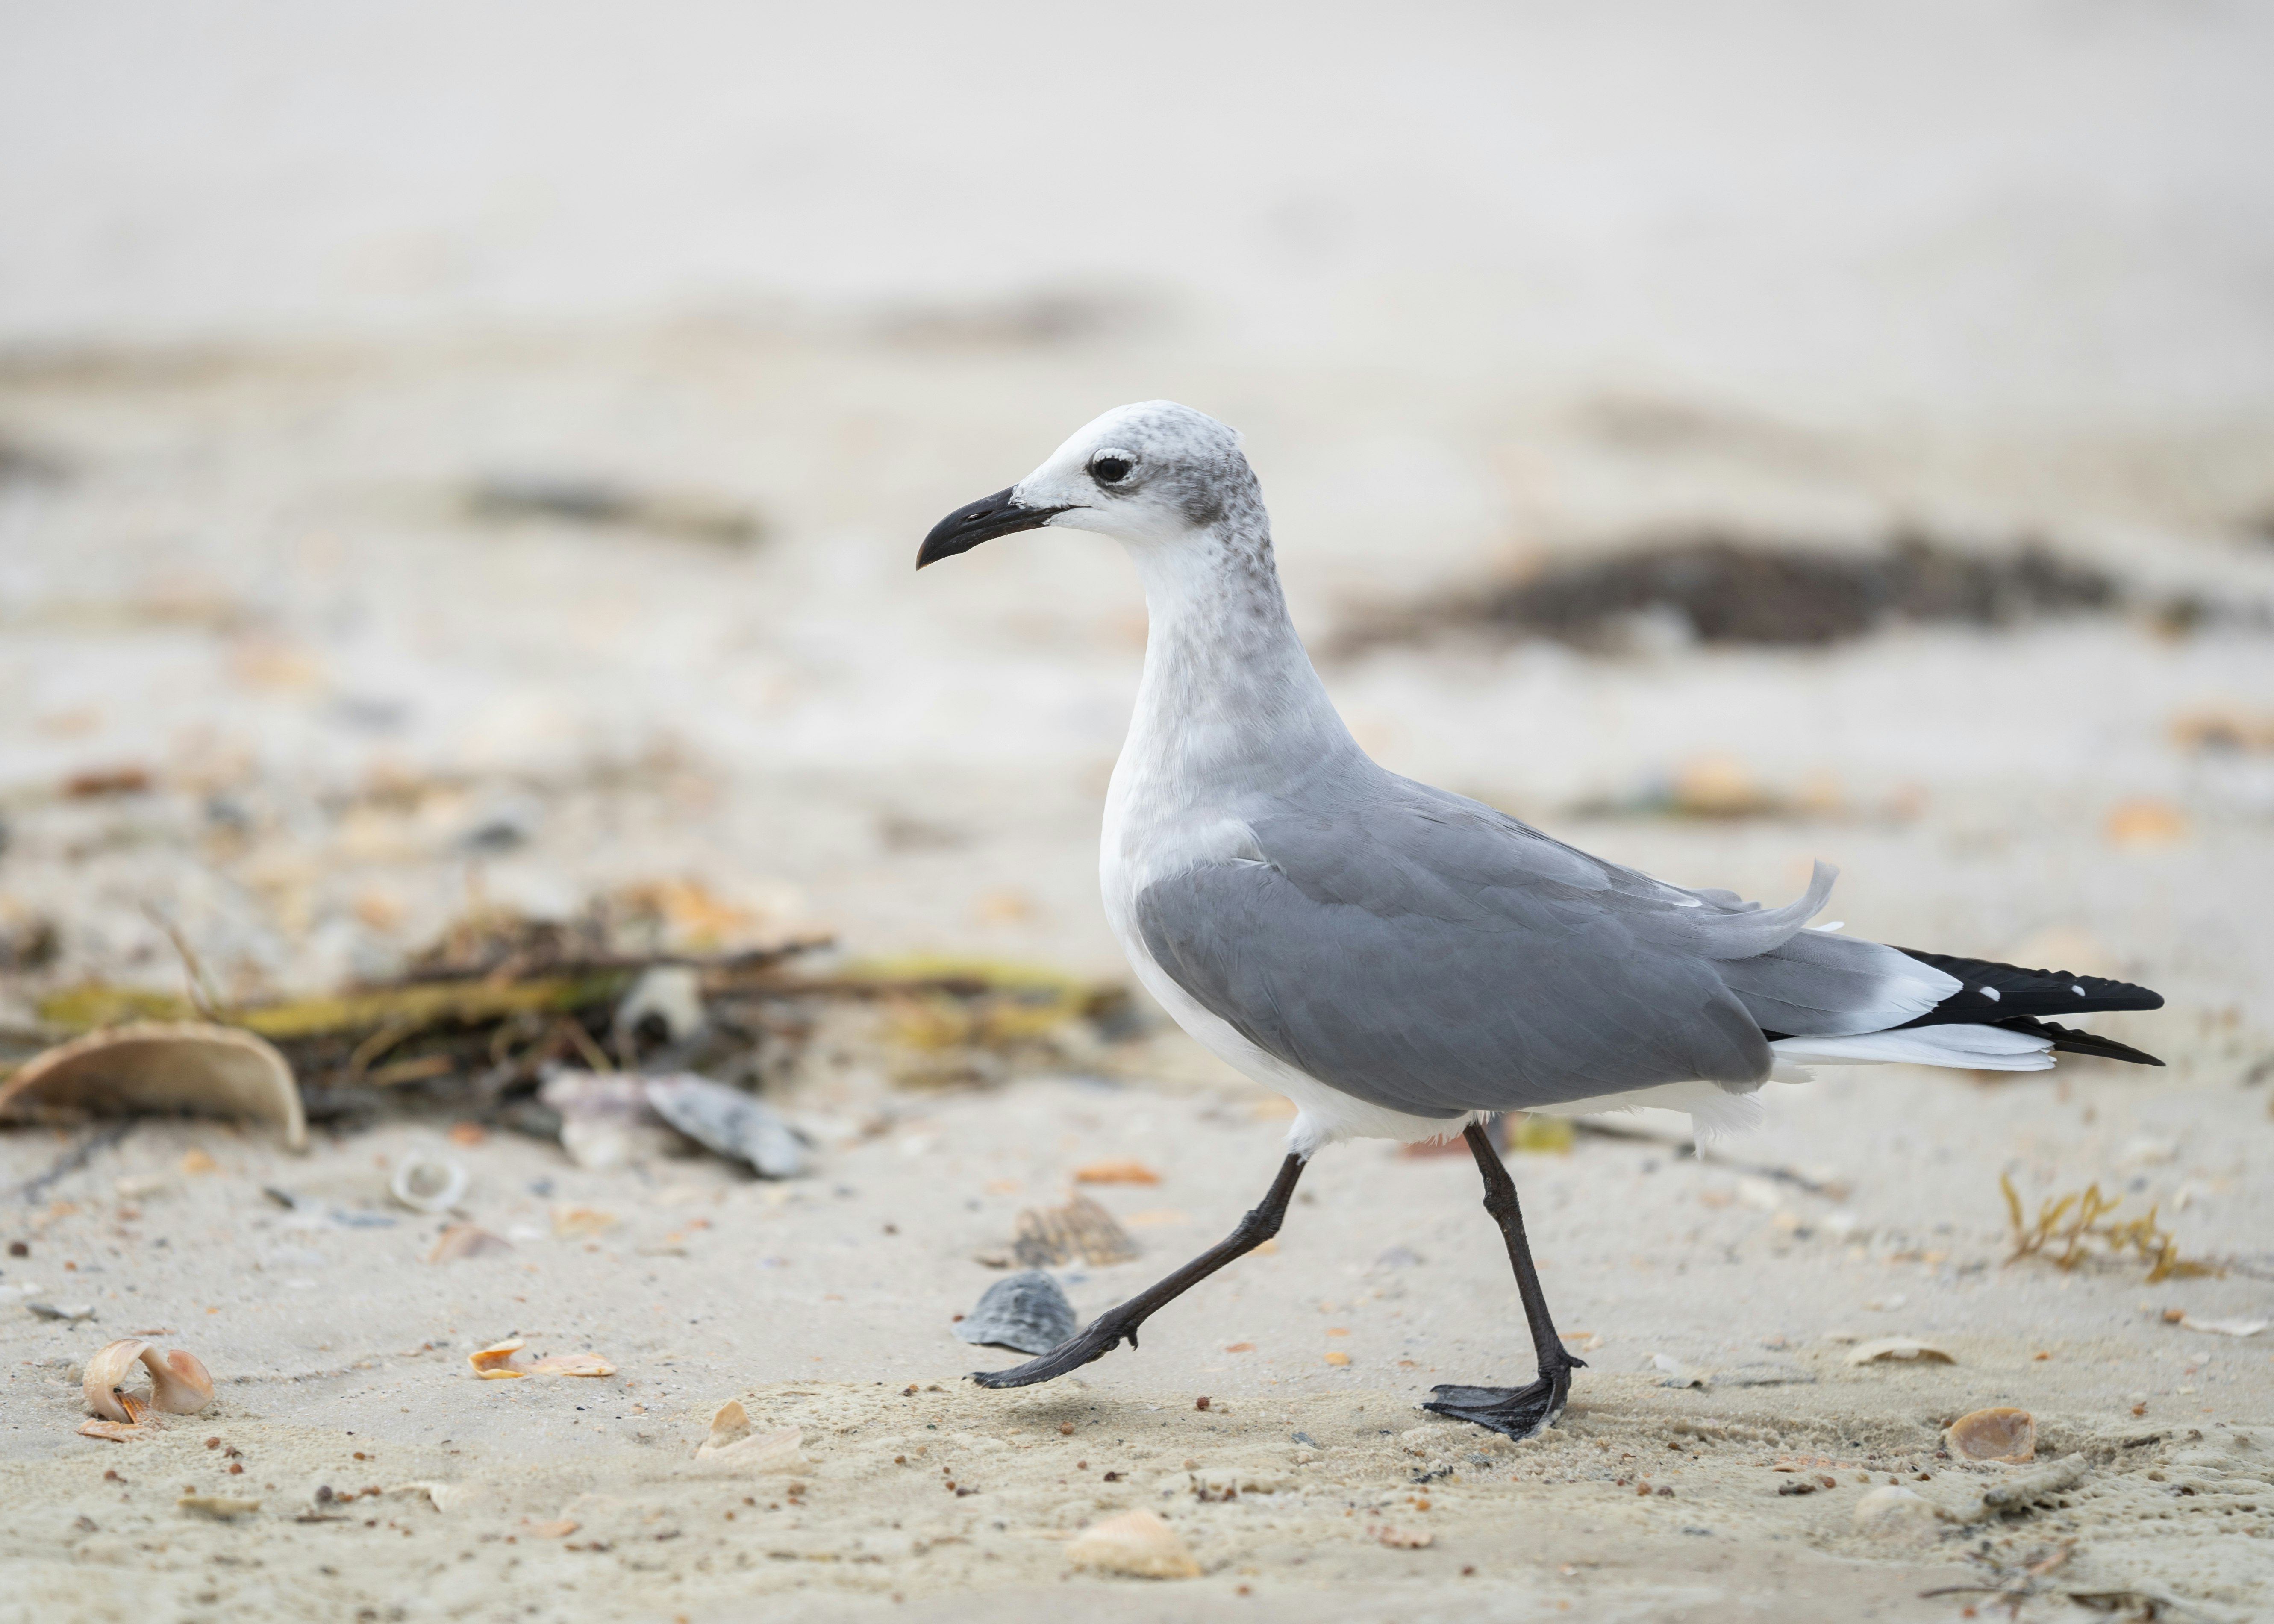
point(1403, 963)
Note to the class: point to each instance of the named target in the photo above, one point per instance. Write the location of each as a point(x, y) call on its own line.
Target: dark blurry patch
point(602, 504)
point(1718, 588)
point(902, 833)
point(98, 782)
point(28, 942)
point(25, 464)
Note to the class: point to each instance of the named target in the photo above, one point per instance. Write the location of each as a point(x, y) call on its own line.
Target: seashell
point(164, 1067)
point(1057, 1236)
point(1135, 1543)
point(68, 1313)
point(1025, 1312)
point(465, 1240)
point(572, 1364)
point(729, 1424)
point(1406, 1538)
point(1896, 1514)
point(572, 1222)
point(734, 1124)
point(2000, 1434)
point(1884, 1348)
point(495, 1363)
point(559, 1527)
point(428, 1183)
point(221, 1507)
point(179, 1384)
point(1116, 1170)
point(448, 1498)
point(117, 1432)
point(606, 1121)
point(760, 1452)
point(672, 995)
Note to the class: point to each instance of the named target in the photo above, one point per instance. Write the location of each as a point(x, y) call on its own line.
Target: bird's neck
point(1230, 705)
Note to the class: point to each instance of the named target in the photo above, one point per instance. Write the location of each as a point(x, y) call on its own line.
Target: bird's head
point(1150, 474)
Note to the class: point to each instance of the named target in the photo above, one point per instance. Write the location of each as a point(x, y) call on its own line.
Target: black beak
point(983, 521)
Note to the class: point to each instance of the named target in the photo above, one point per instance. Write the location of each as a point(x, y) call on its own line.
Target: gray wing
point(1428, 954)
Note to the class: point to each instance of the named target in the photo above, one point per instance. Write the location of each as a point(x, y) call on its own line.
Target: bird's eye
point(1110, 469)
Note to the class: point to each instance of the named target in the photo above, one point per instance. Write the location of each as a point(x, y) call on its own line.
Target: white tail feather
point(1980, 1049)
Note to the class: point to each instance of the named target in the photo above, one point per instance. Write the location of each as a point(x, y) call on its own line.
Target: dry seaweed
point(2065, 1228)
point(1717, 587)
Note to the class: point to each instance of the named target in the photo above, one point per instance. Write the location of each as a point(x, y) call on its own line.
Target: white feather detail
point(1980, 1049)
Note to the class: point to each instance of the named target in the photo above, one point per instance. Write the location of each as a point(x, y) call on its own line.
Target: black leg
point(1520, 1412)
point(1104, 1332)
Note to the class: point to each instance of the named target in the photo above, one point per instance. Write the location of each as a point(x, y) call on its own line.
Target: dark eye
point(1110, 469)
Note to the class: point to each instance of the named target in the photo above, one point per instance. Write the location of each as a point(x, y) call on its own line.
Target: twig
point(203, 998)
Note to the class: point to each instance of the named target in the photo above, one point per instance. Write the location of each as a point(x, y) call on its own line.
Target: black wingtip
point(2069, 1040)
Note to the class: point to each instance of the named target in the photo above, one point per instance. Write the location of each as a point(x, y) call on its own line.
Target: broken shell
point(1881, 1348)
point(1025, 1312)
point(1136, 1543)
point(428, 1183)
point(493, 1363)
point(729, 1424)
point(730, 1121)
point(178, 1383)
point(760, 1452)
point(2001, 1434)
point(219, 1507)
point(573, 1222)
point(449, 1497)
point(606, 1121)
point(117, 1432)
point(572, 1364)
point(69, 1312)
point(671, 994)
point(1896, 1514)
point(465, 1240)
point(1081, 1229)
point(1405, 1538)
point(162, 1067)
point(1117, 1170)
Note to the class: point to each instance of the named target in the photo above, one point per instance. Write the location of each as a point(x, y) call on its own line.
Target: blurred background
point(478, 452)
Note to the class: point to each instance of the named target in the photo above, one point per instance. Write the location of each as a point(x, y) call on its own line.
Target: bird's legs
point(1105, 1332)
point(1520, 1412)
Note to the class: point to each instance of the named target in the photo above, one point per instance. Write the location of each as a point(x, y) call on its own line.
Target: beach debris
point(1080, 1230)
point(554, 1528)
point(2018, 1493)
point(495, 1363)
point(733, 1446)
point(572, 1364)
point(2002, 1433)
point(2186, 1321)
point(606, 1121)
point(1897, 1515)
point(68, 1313)
point(160, 1068)
point(1116, 1170)
point(737, 1125)
point(1025, 1312)
point(598, 503)
point(1402, 1538)
point(179, 1384)
point(1676, 1374)
point(2072, 1220)
point(466, 1240)
point(450, 1498)
point(117, 1432)
point(1136, 1543)
point(581, 1222)
point(671, 996)
point(220, 1507)
point(428, 1183)
point(1711, 586)
point(730, 1422)
point(1887, 1350)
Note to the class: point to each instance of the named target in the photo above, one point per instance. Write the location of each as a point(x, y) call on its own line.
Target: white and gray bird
point(1403, 963)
